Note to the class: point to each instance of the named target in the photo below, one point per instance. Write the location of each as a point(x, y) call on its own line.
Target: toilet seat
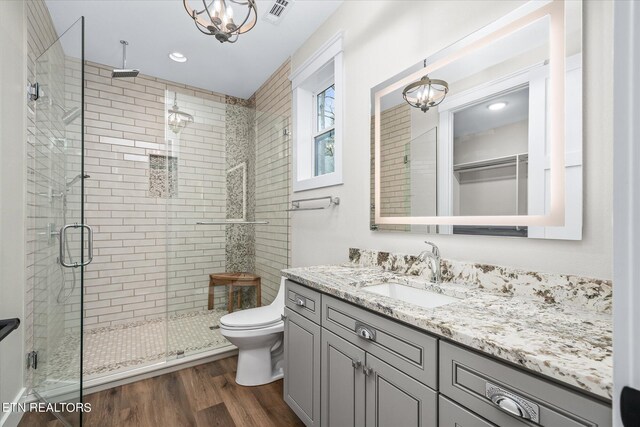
point(254, 318)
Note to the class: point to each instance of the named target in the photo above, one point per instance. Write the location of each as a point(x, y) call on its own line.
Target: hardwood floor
point(202, 396)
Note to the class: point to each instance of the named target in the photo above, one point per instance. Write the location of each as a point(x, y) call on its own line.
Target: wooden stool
point(232, 280)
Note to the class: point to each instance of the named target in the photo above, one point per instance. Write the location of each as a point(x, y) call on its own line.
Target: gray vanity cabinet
point(452, 415)
point(395, 399)
point(302, 367)
point(507, 396)
point(358, 390)
point(346, 366)
point(342, 383)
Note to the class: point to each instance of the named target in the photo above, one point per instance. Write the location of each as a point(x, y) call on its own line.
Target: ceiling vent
point(278, 9)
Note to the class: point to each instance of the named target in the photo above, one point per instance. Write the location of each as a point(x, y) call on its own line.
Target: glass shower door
point(62, 244)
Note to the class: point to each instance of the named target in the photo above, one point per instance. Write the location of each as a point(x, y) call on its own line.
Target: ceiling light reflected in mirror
point(178, 57)
point(497, 106)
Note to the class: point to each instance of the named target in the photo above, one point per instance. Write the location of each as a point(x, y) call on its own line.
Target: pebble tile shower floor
point(116, 348)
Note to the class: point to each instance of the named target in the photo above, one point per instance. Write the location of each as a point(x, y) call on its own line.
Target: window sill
point(328, 180)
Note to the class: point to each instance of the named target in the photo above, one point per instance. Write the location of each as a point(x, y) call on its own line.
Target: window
point(317, 120)
point(324, 138)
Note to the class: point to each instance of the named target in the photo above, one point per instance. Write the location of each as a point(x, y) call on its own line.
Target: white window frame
point(317, 132)
point(323, 69)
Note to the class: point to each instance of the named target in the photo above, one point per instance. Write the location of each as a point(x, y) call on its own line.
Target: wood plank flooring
point(202, 396)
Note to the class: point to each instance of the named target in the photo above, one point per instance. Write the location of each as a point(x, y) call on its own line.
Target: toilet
point(258, 334)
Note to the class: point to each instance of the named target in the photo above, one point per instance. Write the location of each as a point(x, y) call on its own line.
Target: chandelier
point(217, 18)
point(425, 93)
point(177, 119)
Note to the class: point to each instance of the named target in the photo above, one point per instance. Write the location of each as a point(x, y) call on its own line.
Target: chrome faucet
point(434, 261)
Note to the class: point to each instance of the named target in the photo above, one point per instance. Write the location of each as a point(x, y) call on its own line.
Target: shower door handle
point(63, 237)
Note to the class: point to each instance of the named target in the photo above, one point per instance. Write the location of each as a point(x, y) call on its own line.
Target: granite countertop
point(568, 343)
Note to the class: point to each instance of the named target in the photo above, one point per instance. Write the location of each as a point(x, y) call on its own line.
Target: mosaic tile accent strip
point(558, 289)
point(232, 100)
point(163, 176)
point(113, 348)
point(240, 150)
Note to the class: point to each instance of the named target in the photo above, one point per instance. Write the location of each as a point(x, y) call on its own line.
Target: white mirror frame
point(518, 19)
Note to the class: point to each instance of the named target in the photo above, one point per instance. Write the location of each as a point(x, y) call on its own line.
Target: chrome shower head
point(124, 71)
point(76, 179)
point(119, 73)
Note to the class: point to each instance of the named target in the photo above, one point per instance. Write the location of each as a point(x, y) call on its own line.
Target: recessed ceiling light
point(496, 106)
point(178, 57)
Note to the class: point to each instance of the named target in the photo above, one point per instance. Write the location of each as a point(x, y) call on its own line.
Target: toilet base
point(257, 367)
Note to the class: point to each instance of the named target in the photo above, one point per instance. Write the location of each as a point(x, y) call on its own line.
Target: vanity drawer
point(452, 415)
point(412, 352)
point(303, 301)
point(466, 377)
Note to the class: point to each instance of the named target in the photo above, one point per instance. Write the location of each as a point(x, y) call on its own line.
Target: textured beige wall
point(395, 134)
point(377, 47)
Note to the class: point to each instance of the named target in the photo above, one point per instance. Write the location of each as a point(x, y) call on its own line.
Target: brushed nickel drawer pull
point(301, 301)
point(366, 332)
point(512, 403)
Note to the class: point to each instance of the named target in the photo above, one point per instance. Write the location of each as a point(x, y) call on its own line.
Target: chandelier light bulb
point(425, 93)
point(217, 18)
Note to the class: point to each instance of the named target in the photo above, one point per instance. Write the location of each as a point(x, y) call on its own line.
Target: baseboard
point(12, 419)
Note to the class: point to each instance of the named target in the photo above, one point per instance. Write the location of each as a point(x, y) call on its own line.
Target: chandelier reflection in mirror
point(425, 93)
point(177, 119)
point(217, 18)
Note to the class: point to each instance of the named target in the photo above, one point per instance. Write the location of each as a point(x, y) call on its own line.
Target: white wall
point(383, 37)
point(626, 317)
point(12, 138)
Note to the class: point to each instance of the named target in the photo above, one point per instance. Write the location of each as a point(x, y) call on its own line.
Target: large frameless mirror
point(485, 137)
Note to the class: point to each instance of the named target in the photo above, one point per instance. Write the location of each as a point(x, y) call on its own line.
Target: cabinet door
point(302, 367)
point(395, 399)
point(453, 415)
point(343, 382)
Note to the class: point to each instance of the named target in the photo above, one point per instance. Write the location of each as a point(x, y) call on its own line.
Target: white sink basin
point(416, 296)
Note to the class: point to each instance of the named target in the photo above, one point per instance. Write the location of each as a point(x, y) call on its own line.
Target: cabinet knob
point(356, 363)
point(367, 370)
point(301, 302)
point(283, 317)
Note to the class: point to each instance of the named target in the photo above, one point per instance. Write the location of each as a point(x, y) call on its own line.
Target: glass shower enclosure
point(168, 207)
point(61, 243)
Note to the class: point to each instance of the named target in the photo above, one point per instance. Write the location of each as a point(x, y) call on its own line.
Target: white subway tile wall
point(395, 131)
point(129, 279)
point(43, 322)
point(273, 179)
